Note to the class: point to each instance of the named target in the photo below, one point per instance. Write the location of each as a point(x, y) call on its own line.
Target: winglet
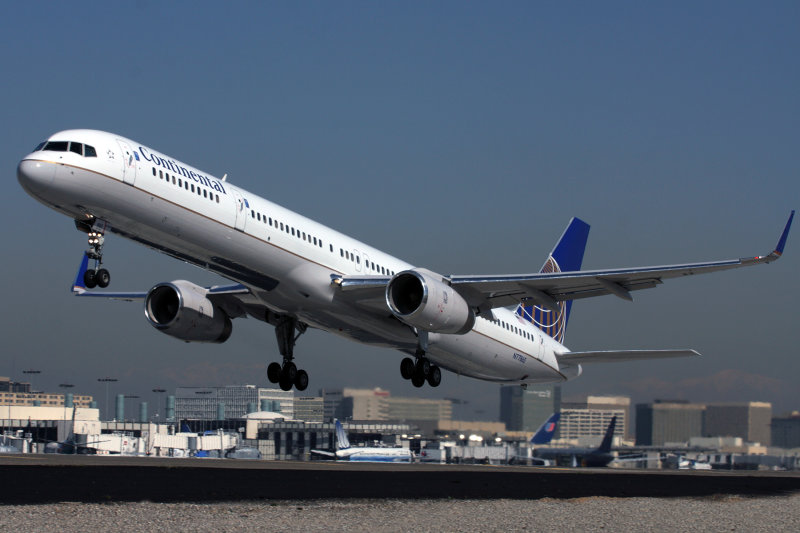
point(782, 241)
point(78, 286)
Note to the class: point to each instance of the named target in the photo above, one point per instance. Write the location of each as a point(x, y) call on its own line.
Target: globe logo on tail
point(551, 323)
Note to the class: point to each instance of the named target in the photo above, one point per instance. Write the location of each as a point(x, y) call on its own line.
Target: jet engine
point(422, 299)
point(182, 310)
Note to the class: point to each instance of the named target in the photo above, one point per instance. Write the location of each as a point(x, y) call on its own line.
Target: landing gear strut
point(96, 277)
point(286, 375)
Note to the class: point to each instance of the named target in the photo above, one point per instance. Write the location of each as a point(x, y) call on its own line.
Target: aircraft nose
point(34, 175)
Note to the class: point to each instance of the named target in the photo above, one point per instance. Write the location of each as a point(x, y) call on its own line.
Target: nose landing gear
point(96, 277)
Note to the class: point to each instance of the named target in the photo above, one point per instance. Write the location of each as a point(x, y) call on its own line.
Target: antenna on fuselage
point(225, 177)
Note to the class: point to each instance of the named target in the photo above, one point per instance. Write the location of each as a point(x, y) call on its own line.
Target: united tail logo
point(567, 256)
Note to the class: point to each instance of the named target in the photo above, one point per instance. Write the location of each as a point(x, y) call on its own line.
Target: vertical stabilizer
point(605, 446)
point(342, 441)
point(545, 433)
point(567, 256)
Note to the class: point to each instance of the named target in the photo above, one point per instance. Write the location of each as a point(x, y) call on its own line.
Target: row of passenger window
point(201, 191)
point(66, 146)
point(514, 329)
point(255, 215)
point(310, 239)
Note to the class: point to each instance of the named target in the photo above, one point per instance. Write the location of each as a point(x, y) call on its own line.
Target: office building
point(206, 403)
point(592, 416)
point(664, 422)
point(748, 420)
point(527, 409)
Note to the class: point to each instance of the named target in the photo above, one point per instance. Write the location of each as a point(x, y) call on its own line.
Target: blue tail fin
point(341, 437)
point(605, 446)
point(545, 433)
point(567, 256)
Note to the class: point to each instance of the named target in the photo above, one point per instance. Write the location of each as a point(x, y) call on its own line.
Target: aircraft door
point(129, 162)
point(241, 210)
point(357, 262)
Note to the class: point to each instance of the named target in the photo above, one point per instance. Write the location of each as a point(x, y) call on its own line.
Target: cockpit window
point(76, 147)
point(39, 146)
point(56, 146)
point(88, 151)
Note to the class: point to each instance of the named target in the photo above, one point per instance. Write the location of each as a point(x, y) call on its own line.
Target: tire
point(274, 372)
point(103, 278)
point(289, 372)
point(407, 368)
point(423, 367)
point(89, 279)
point(285, 384)
point(435, 376)
point(417, 380)
point(301, 380)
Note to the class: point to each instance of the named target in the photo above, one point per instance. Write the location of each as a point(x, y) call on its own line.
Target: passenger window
point(252, 214)
point(185, 185)
point(88, 151)
point(173, 180)
point(56, 146)
point(205, 193)
point(192, 187)
point(217, 198)
point(77, 148)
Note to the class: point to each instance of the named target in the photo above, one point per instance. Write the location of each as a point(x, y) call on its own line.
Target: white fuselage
point(285, 259)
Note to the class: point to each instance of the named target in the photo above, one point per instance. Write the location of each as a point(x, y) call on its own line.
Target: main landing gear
point(420, 371)
point(95, 277)
point(287, 375)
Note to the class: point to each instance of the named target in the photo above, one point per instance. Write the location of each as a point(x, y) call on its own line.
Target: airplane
point(345, 452)
point(591, 457)
point(294, 273)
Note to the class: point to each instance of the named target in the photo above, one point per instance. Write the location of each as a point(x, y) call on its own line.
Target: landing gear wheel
point(423, 367)
point(289, 371)
point(417, 380)
point(89, 279)
point(407, 368)
point(285, 384)
point(102, 277)
point(435, 376)
point(274, 372)
point(301, 380)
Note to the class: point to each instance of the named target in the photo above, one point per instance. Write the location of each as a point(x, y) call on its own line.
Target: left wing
point(548, 289)
point(230, 297)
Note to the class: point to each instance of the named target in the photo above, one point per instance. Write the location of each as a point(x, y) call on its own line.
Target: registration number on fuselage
point(521, 358)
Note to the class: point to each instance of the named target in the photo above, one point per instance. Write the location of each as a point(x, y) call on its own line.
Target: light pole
point(107, 380)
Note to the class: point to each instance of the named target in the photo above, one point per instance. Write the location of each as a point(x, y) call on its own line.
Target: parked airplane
point(295, 273)
point(599, 456)
point(345, 452)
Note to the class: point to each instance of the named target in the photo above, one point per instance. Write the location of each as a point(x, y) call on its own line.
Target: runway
point(59, 478)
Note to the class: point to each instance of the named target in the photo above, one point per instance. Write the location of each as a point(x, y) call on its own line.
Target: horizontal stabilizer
point(613, 356)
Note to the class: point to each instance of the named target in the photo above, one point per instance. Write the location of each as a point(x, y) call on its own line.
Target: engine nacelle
point(421, 299)
point(180, 309)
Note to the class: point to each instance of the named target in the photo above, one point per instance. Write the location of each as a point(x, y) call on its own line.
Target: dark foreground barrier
point(41, 479)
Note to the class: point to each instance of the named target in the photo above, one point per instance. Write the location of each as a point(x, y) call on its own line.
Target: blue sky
point(459, 136)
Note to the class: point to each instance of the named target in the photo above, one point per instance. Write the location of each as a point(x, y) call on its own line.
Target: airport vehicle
point(591, 457)
point(295, 273)
point(372, 454)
